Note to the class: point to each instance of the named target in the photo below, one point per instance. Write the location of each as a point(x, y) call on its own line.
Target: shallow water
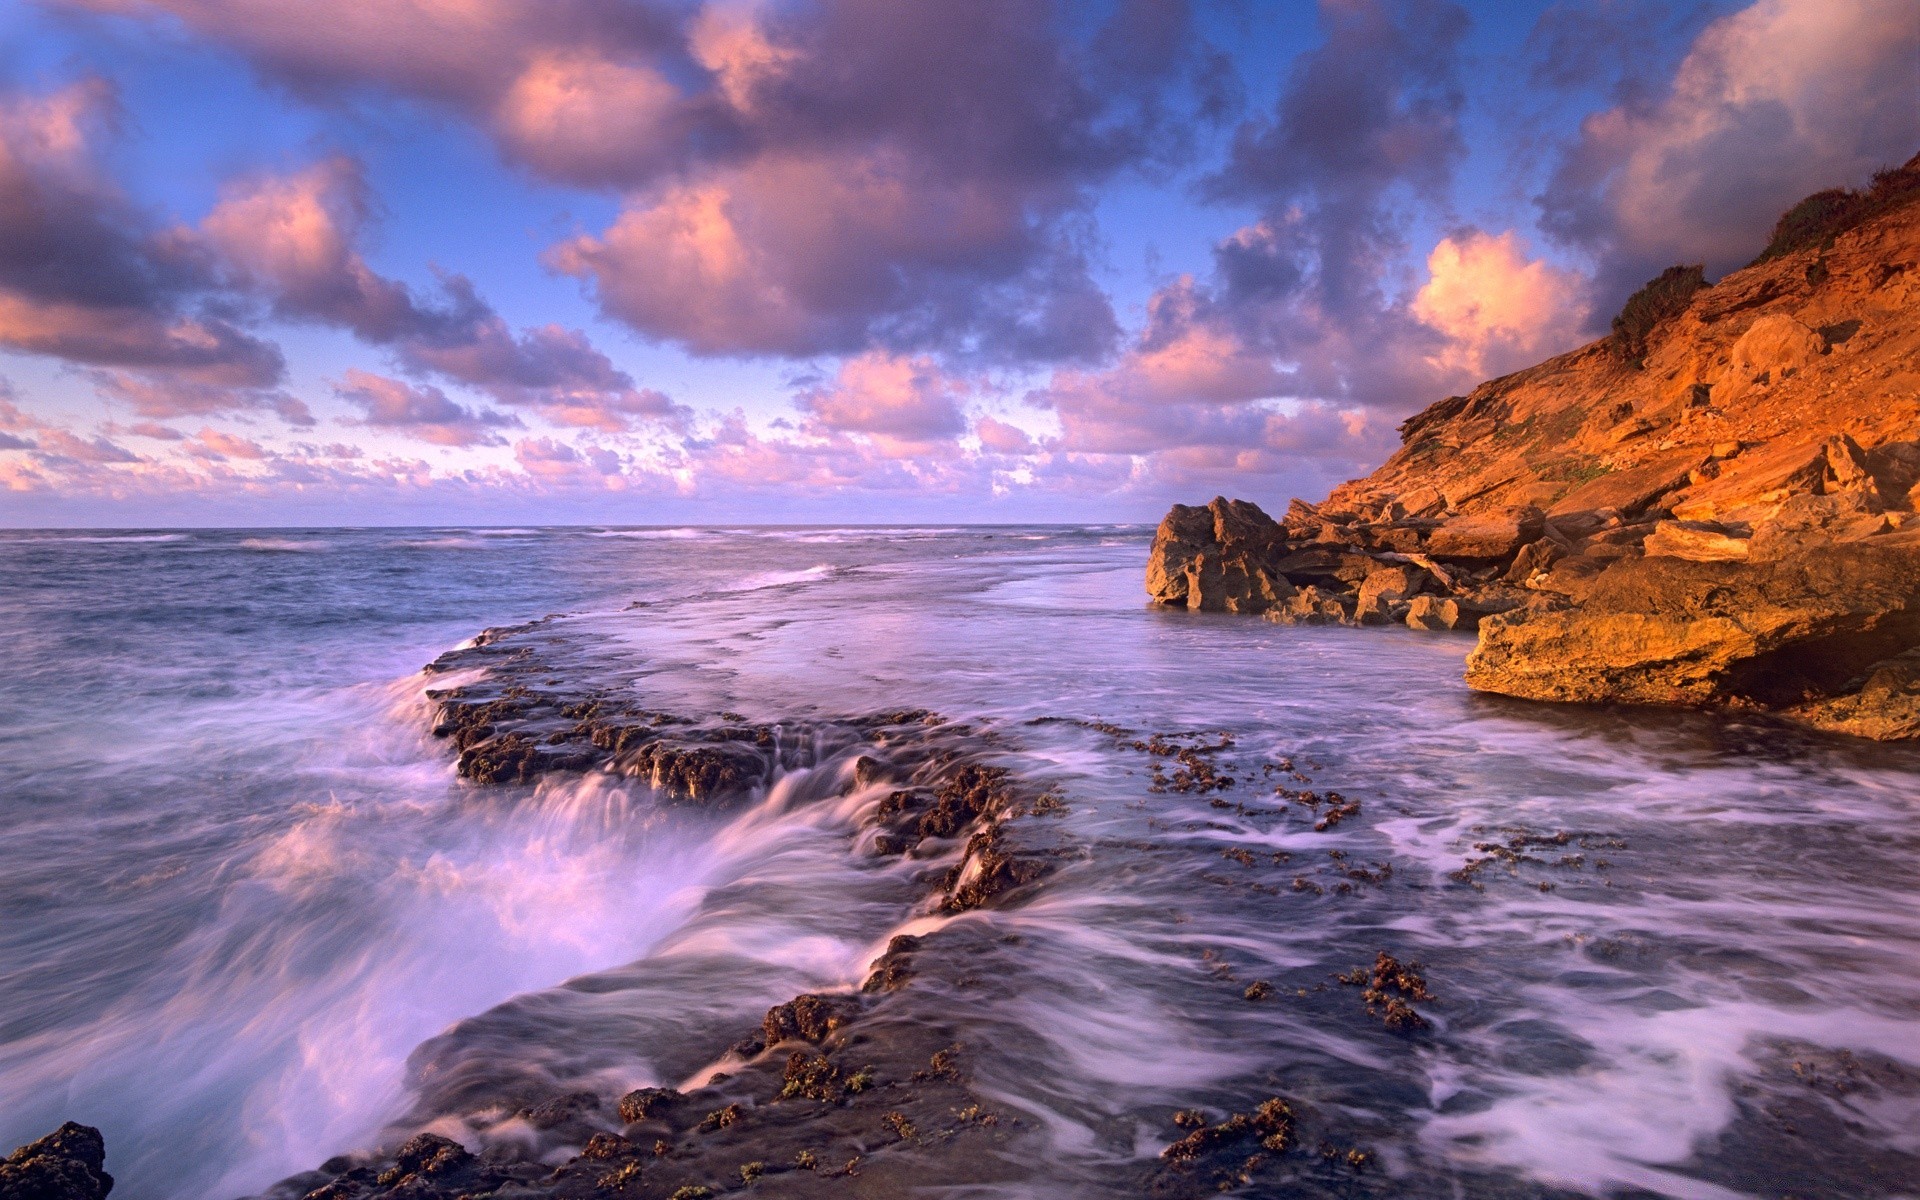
point(249, 918)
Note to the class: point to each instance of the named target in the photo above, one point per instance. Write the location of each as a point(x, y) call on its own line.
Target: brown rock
point(1444, 612)
point(1773, 347)
point(1696, 541)
point(67, 1164)
point(1670, 631)
point(1219, 558)
point(1384, 590)
point(1313, 605)
point(1490, 534)
point(1886, 708)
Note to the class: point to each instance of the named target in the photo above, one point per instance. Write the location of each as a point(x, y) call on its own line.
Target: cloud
point(60, 443)
point(551, 460)
point(1770, 104)
point(800, 179)
point(1364, 123)
point(1498, 309)
point(421, 411)
point(219, 445)
point(86, 277)
point(907, 399)
point(295, 240)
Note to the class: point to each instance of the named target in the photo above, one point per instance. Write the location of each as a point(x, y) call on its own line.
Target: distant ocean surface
point(240, 882)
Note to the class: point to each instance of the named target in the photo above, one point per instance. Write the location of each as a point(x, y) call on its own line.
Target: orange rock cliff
point(1713, 506)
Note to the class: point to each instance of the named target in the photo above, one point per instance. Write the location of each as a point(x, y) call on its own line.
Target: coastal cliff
point(1712, 506)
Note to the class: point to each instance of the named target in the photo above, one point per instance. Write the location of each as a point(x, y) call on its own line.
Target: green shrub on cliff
point(1663, 298)
point(1823, 216)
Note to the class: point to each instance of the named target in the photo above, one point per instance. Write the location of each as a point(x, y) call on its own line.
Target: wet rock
point(993, 866)
point(1787, 635)
point(694, 770)
point(808, 1018)
point(1314, 605)
point(891, 971)
point(67, 1164)
point(648, 1104)
point(560, 1110)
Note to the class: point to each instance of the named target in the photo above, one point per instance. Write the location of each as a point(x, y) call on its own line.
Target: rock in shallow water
point(67, 1164)
point(1792, 635)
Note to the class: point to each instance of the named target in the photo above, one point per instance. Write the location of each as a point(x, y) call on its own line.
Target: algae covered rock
point(67, 1164)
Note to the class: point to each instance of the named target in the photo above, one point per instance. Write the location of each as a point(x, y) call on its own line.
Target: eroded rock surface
point(67, 1164)
point(1724, 515)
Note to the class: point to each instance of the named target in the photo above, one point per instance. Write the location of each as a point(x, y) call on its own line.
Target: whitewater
point(251, 918)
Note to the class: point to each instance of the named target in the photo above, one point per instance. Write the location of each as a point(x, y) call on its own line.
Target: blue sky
point(661, 261)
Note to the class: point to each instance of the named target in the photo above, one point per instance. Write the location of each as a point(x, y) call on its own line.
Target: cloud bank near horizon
point(881, 237)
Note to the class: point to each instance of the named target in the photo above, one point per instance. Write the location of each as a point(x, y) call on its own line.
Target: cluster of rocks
point(1726, 516)
point(1317, 567)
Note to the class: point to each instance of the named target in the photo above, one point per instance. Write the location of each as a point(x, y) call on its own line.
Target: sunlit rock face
point(1713, 507)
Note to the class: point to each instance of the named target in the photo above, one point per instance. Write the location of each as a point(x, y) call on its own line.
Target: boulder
point(1771, 348)
point(1184, 532)
point(1220, 558)
point(1696, 541)
point(1448, 612)
point(1886, 708)
point(1384, 590)
point(67, 1164)
point(1488, 535)
point(1787, 634)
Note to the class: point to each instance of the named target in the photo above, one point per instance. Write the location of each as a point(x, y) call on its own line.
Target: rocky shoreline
point(1713, 507)
point(866, 1092)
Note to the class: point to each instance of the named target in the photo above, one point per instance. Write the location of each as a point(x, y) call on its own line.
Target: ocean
point(251, 918)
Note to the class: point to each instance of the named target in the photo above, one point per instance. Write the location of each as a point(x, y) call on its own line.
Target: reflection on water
point(243, 890)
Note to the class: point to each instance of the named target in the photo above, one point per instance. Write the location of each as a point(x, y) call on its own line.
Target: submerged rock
point(67, 1164)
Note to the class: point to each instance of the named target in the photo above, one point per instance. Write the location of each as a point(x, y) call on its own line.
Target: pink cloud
point(421, 411)
point(906, 399)
point(1498, 309)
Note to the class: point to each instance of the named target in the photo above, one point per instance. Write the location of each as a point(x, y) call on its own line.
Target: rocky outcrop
point(1790, 635)
point(67, 1164)
point(1714, 506)
point(1219, 558)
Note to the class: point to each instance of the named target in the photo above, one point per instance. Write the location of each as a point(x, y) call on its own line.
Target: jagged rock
point(1697, 541)
point(1313, 605)
point(1774, 417)
point(807, 1018)
point(1533, 559)
point(1666, 630)
point(1445, 612)
point(1492, 534)
point(67, 1164)
point(1386, 589)
point(1220, 558)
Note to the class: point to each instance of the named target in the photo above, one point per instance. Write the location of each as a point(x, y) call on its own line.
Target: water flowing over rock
point(1723, 517)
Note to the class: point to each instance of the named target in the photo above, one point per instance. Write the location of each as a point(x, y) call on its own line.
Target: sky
point(346, 262)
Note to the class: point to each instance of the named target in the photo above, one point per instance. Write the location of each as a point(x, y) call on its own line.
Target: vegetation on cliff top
point(1823, 216)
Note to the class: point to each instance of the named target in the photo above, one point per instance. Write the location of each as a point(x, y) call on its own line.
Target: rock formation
point(67, 1164)
point(1714, 506)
